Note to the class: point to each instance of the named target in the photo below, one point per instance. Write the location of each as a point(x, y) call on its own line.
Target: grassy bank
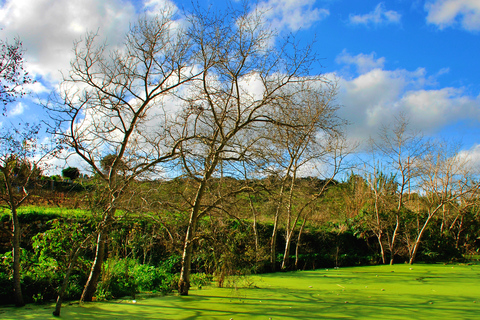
point(34, 212)
point(375, 292)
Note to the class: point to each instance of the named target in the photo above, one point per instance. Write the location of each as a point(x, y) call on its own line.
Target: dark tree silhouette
point(71, 173)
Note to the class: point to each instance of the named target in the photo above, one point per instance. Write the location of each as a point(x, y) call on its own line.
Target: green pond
point(433, 291)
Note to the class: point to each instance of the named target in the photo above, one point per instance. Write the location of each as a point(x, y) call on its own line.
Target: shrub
point(71, 173)
point(123, 277)
point(200, 279)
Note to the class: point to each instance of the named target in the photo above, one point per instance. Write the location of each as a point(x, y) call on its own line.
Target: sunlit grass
point(64, 212)
point(48, 211)
point(379, 292)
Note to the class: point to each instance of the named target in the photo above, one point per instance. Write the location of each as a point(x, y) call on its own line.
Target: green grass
point(38, 211)
point(48, 211)
point(378, 292)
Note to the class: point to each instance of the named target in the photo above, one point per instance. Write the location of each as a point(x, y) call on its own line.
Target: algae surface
point(375, 292)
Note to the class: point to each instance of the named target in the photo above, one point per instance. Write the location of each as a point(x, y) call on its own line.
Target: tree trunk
point(17, 288)
point(96, 270)
point(273, 240)
point(457, 240)
point(273, 244)
point(286, 253)
point(394, 237)
point(184, 281)
point(419, 238)
point(380, 243)
point(73, 260)
point(290, 227)
point(254, 226)
point(13, 204)
point(297, 247)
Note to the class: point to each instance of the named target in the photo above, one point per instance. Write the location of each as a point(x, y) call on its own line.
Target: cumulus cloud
point(292, 15)
point(374, 96)
point(363, 62)
point(380, 15)
point(36, 88)
point(48, 37)
point(447, 13)
point(472, 156)
point(158, 5)
point(17, 110)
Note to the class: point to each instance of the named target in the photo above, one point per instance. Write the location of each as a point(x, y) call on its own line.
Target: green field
point(377, 292)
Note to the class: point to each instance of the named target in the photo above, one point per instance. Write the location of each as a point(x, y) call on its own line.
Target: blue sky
point(416, 57)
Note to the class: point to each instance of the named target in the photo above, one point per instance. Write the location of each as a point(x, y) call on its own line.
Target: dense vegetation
point(144, 250)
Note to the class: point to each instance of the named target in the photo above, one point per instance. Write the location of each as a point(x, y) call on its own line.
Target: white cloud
point(153, 6)
point(432, 109)
point(378, 16)
point(446, 13)
point(36, 88)
point(472, 156)
point(363, 62)
point(17, 110)
point(292, 14)
point(48, 28)
point(375, 96)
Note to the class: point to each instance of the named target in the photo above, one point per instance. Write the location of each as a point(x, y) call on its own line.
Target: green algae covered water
point(433, 291)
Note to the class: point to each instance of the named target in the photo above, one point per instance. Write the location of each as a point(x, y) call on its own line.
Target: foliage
point(201, 280)
point(71, 172)
point(123, 277)
point(144, 249)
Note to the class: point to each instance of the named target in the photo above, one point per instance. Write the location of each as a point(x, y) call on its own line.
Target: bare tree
point(245, 88)
point(17, 145)
point(251, 171)
point(446, 178)
point(292, 149)
point(118, 102)
point(456, 220)
point(330, 155)
point(21, 162)
point(400, 150)
point(383, 189)
point(13, 76)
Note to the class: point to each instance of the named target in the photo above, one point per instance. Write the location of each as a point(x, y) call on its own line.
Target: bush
point(71, 173)
point(6, 287)
point(200, 280)
point(123, 277)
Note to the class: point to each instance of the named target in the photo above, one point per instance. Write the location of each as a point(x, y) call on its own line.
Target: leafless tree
point(248, 81)
point(22, 159)
point(330, 157)
point(118, 102)
point(382, 189)
point(293, 149)
point(446, 178)
point(399, 150)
